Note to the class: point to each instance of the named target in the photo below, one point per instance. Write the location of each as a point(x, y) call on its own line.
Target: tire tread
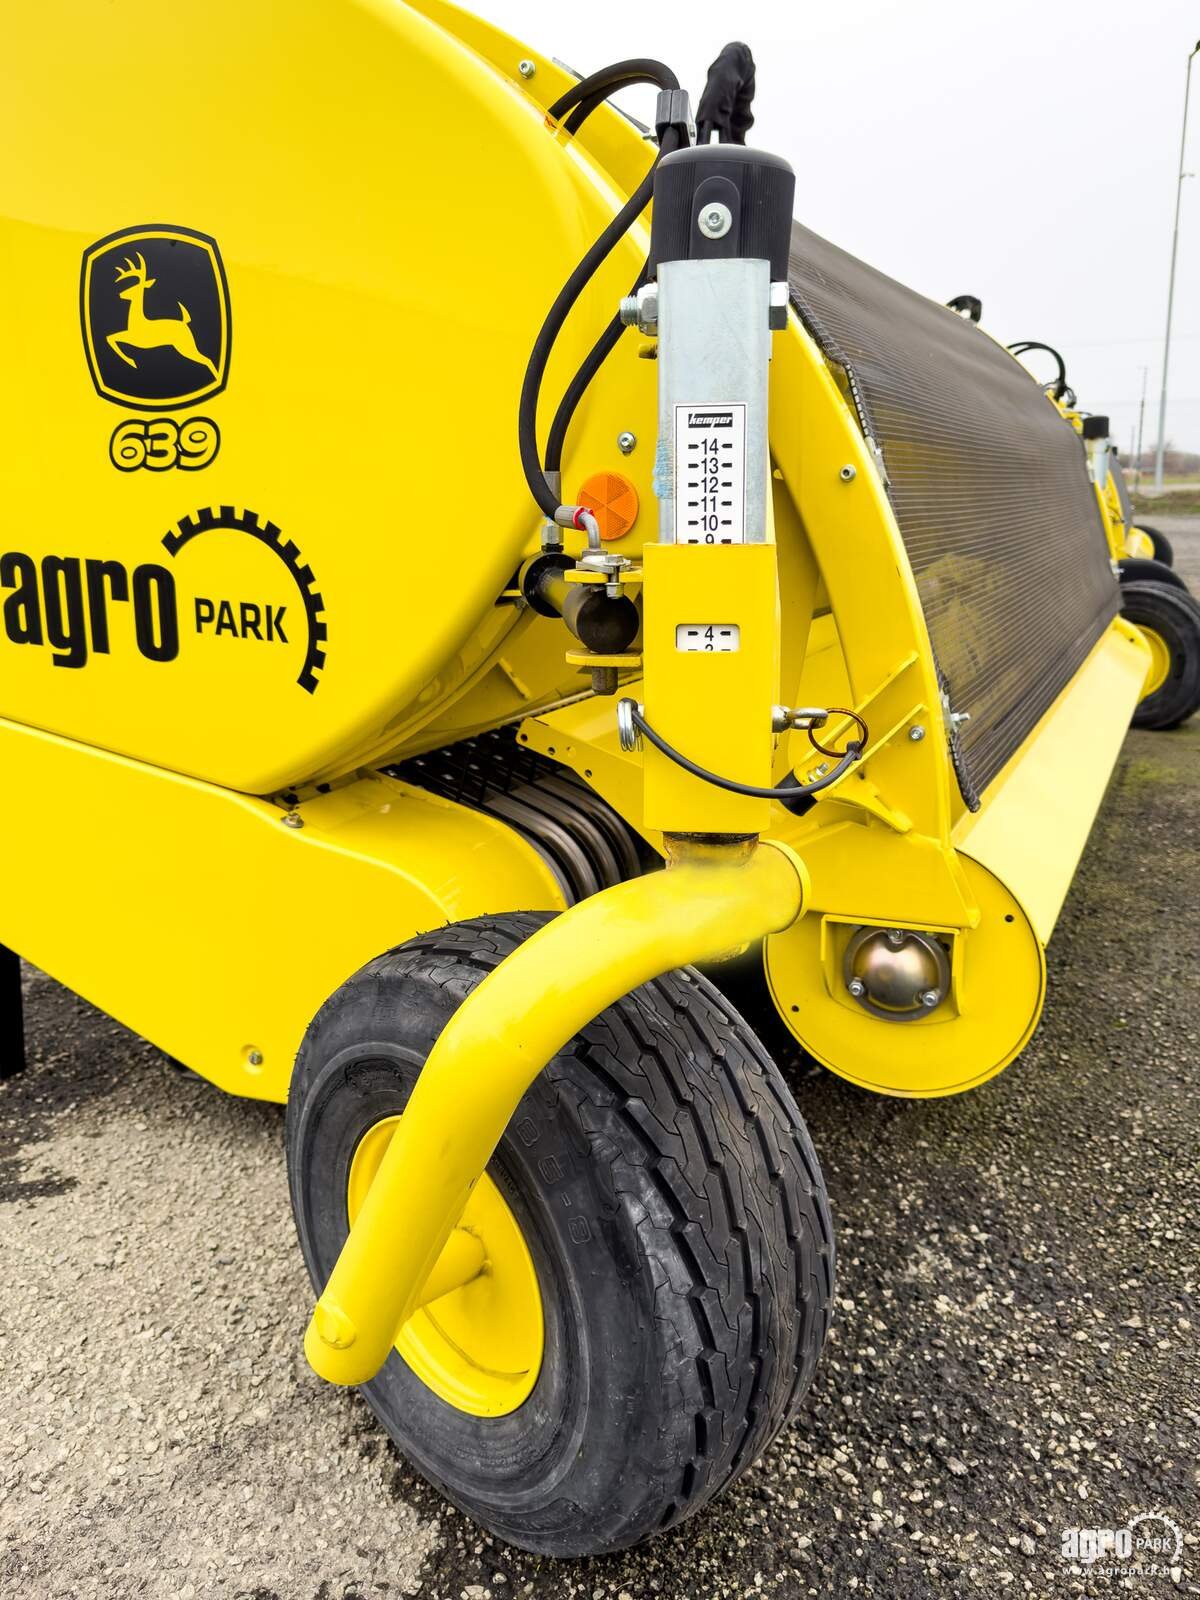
point(670, 1078)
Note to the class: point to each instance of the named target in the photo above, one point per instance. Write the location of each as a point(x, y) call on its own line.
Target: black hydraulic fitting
point(543, 584)
point(599, 621)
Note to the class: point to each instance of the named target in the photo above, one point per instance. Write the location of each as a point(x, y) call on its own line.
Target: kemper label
point(710, 474)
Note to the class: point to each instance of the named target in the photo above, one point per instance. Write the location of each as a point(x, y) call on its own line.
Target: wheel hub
point(1160, 661)
point(478, 1343)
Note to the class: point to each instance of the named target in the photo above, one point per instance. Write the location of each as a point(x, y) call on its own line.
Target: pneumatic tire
point(1171, 617)
point(1163, 549)
point(675, 1215)
point(1140, 569)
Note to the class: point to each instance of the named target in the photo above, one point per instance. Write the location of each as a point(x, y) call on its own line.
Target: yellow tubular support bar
point(493, 1048)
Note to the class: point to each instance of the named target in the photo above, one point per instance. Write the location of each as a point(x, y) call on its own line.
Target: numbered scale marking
point(707, 637)
point(710, 474)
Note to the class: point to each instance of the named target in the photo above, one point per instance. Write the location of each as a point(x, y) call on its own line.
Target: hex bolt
point(715, 221)
point(293, 819)
point(526, 68)
point(626, 442)
point(857, 988)
point(848, 473)
point(896, 937)
point(255, 1058)
point(930, 997)
point(916, 733)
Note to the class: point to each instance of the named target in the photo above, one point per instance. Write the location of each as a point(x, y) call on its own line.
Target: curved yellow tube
point(493, 1048)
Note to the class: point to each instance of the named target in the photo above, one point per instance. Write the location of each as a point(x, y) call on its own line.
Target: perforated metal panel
point(990, 490)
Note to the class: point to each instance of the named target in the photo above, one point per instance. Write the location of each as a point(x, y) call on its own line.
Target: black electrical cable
point(787, 791)
point(531, 463)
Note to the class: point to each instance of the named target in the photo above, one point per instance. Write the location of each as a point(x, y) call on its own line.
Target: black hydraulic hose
point(1023, 346)
point(786, 791)
point(531, 464)
point(589, 367)
point(585, 108)
point(641, 69)
point(596, 356)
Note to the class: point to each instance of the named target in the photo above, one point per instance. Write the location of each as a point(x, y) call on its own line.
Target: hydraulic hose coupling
point(711, 900)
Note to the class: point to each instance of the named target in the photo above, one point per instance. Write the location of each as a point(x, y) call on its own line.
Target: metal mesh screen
point(990, 489)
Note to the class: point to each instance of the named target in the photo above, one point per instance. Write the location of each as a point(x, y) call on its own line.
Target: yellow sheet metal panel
point(1036, 817)
point(614, 142)
point(711, 649)
point(257, 430)
point(200, 919)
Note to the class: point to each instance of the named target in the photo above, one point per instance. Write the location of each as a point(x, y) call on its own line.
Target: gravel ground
point(1014, 1351)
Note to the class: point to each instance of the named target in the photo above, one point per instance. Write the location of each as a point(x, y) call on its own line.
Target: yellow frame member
point(892, 844)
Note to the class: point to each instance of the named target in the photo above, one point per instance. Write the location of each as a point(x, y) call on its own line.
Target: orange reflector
point(614, 500)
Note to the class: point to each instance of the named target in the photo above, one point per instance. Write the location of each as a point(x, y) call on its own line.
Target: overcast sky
point(1026, 153)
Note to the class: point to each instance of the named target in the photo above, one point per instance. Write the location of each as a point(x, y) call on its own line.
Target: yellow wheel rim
point(478, 1347)
point(1160, 661)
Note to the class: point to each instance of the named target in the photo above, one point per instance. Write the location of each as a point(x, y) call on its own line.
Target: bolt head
point(255, 1058)
point(848, 474)
point(896, 937)
point(526, 68)
point(626, 442)
point(293, 819)
point(857, 988)
point(930, 997)
point(715, 221)
point(916, 733)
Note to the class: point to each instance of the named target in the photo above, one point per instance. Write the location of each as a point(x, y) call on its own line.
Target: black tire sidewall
point(1164, 551)
point(1141, 569)
point(1175, 616)
point(593, 1409)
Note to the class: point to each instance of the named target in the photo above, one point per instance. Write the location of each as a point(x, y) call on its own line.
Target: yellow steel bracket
point(498, 1041)
point(713, 706)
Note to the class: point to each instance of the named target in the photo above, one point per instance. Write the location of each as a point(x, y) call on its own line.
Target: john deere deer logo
point(155, 310)
point(151, 333)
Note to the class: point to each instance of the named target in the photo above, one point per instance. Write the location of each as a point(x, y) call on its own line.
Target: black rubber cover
point(991, 493)
point(724, 107)
point(758, 188)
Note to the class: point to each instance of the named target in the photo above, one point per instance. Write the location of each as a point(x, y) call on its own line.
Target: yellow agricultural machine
point(1153, 595)
point(409, 547)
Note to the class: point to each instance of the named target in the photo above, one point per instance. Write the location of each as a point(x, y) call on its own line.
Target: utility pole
point(1141, 424)
point(1162, 402)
